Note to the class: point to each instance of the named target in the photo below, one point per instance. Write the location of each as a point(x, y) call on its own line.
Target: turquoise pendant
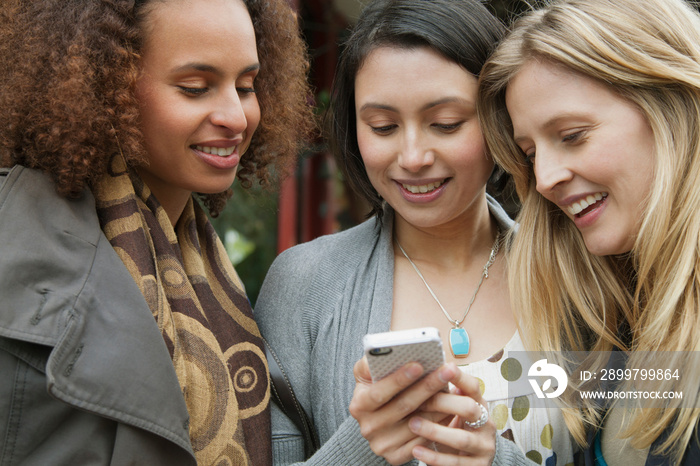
point(459, 342)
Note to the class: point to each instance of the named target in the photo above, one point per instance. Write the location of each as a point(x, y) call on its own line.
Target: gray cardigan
point(317, 302)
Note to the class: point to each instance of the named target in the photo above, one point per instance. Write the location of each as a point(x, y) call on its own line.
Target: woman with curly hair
point(125, 333)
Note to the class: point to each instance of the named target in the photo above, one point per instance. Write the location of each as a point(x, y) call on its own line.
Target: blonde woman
point(594, 107)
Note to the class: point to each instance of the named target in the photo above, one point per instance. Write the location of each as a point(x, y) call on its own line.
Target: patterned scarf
point(204, 316)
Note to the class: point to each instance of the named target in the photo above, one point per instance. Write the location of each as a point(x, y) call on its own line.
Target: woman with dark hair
point(403, 127)
point(125, 333)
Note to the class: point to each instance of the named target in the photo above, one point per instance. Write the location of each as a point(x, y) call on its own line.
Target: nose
point(415, 153)
point(551, 171)
point(232, 111)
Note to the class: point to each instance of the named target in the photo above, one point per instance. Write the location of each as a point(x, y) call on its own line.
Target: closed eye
point(528, 153)
point(448, 127)
point(383, 130)
point(193, 91)
point(574, 138)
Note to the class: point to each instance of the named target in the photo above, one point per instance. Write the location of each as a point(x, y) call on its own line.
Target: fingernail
point(415, 424)
point(413, 371)
point(419, 453)
point(446, 373)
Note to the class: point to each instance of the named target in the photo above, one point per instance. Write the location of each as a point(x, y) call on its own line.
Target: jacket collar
point(63, 286)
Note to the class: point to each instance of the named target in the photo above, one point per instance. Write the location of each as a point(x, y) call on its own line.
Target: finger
point(381, 408)
point(395, 448)
point(361, 372)
point(467, 385)
point(371, 397)
point(414, 397)
point(479, 421)
point(434, 416)
point(435, 458)
point(464, 406)
point(382, 391)
point(385, 434)
point(474, 442)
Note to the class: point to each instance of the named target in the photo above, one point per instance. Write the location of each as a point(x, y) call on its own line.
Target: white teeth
point(423, 188)
point(220, 151)
point(578, 207)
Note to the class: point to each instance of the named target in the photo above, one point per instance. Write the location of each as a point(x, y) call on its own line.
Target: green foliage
point(252, 213)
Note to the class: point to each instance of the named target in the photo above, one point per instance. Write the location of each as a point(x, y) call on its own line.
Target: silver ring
point(483, 419)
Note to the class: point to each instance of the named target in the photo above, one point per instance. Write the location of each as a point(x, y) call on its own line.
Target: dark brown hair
point(463, 31)
point(67, 102)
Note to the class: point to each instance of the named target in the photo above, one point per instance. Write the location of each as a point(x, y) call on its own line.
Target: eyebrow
point(550, 123)
point(429, 105)
point(203, 67)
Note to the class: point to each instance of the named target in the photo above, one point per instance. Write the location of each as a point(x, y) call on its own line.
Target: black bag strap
point(283, 395)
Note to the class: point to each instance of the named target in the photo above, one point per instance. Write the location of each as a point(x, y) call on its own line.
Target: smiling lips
point(222, 158)
point(422, 189)
point(585, 205)
point(220, 151)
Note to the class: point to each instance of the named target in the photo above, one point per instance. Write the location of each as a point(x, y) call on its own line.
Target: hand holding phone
point(382, 409)
point(388, 351)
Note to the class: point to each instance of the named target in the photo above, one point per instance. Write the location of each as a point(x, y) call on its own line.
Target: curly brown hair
point(67, 102)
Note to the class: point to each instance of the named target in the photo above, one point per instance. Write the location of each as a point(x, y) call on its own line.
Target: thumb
point(361, 371)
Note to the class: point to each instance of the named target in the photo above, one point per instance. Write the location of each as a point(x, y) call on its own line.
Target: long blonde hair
point(647, 51)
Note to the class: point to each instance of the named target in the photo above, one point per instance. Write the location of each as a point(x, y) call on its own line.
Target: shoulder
point(29, 197)
point(48, 246)
point(341, 250)
point(35, 216)
point(309, 280)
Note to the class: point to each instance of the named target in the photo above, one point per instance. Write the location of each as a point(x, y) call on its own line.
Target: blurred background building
point(314, 200)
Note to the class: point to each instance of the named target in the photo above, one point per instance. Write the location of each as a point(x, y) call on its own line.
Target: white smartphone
point(388, 351)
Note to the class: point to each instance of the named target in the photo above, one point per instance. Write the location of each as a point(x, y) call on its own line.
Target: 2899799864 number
point(639, 374)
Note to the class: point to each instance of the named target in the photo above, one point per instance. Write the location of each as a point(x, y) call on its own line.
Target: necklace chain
point(484, 274)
